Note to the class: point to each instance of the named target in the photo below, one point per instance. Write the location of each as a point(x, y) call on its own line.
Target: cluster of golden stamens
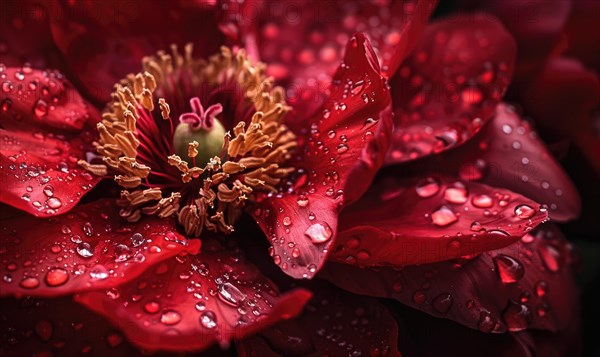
point(250, 160)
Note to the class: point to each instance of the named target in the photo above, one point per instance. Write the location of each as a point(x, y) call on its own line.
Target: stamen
point(216, 171)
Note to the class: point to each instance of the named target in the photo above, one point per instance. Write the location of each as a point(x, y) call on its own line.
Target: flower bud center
point(199, 135)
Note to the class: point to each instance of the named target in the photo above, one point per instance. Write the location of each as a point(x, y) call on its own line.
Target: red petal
point(40, 98)
point(303, 41)
point(507, 153)
point(450, 85)
point(536, 27)
point(433, 220)
point(103, 42)
point(526, 285)
point(344, 149)
point(189, 303)
point(41, 120)
point(32, 327)
point(565, 89)
point(583, 32)
point(90, 248)
point(334, 323)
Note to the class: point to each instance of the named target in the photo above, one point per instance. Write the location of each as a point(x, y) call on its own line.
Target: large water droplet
point(56, 277)
point(428, 187)
point(524, 211)
point(482, 201)
point(444, 216)
point(208, 319)
point(509, 269)
point(517, 316)
point(319, 233)
point(54, 202)
point(170, 317)
point(98, 272)
point(85, 250)
point(456, 194)
point(230, 294)
point(443, 302)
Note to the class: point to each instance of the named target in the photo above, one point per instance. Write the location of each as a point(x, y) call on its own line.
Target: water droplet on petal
point(230, 294)
point(302, 201)
point(517, 316)
point(509, 269)
point(541, 288)
point(137, 239)
point(98, 272)
point(85, 250)
point(428, 187)
point(319, 232)
point(443, 302)
point(456, 194)
point(29, 283)
point(551, 257)
point(170, 317)
point(208, 319)
point(54, 202)
point(482, 201)
point(524, 211)
point(444, 216)
point(40, 109)
point(56, 277)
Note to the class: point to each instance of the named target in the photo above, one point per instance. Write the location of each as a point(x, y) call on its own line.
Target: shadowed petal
point(450, 85)
point(90, 248)
point(403, 222)
point(528, 284)
point(507, 153)
point(334, 323)
point(345, 146)
point(191, 302)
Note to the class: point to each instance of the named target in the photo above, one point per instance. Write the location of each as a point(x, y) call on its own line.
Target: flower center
point(199, 129)
point(169, 138)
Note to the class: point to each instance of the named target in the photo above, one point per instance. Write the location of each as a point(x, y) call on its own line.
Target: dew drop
point(551, 257)
point(541, 288)
point(444, 216)
point(56, 277)
point(54, 202)
point(152, 307)
point(319, 233)
point(482, 201)
point(40, 109)
point(208, 319)
point(230, 294)
point(428, 187)
point(342, 148)
point(85, 250)
point(137, 239)
point(443, 302)
point(456, 194)
point(29, 283)
point(287, 221)
point(302, 201)
point(122, 253)
point(98, 272)
point(517, 316)
point(509, 269)
point(170, 317)
point(524, 211)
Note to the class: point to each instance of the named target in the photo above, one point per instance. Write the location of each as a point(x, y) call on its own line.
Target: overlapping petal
point(303, 41)
point(191, 302)
point(526, 285)
point(507, 153)
point(343, 148)
point(44, 124)
point(89, 248)
point(334, 323)
point(406, 222)
point(103, 42)
point(48, 327)
point(449, 87)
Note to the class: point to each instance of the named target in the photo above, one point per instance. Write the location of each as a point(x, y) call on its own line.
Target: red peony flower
point(372, 151)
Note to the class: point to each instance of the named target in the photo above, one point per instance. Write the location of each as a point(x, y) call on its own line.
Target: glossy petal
point(526, 285)
point(191, 302)
point(103, 42)
point(341, 153)
point(303, 41)
point(334, 323)
point(32, 327)
point(399, 223)
point(90, 248)
point(450, 85)
point(507, 153)
point(42, 125)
